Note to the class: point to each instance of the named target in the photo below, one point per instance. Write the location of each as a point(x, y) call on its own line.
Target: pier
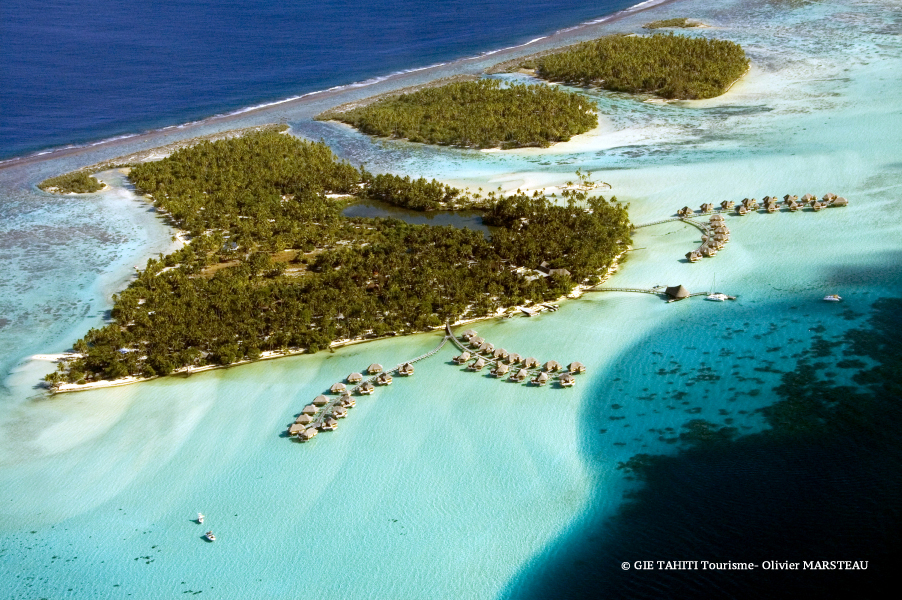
point(715, 233)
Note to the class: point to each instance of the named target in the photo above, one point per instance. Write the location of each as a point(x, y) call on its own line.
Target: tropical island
point(272, 265)
point(677, 23)
point(666, 65)
point(71, 183)
point(475, 114)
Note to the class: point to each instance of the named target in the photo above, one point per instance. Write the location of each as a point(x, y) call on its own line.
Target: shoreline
point(387, 84)
point(576, 293)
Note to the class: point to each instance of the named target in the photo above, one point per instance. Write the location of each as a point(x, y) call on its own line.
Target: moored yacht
point(209, 536)
point(832, 298)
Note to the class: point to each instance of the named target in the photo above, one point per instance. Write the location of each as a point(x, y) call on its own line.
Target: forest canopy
point(273, 265)
point(666, 65)
point(682, 23)
point(477, 114)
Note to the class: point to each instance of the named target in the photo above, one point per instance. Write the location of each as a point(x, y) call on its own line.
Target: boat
point(200, 517)
point(716, 296)
point(832, 298)
point(209, 536)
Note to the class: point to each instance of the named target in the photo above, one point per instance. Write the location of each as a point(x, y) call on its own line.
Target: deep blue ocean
point(73, 72)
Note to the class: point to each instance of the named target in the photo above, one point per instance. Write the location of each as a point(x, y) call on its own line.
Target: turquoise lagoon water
point(452, 484)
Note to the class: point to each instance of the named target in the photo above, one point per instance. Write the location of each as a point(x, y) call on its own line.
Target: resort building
point(514, 358)
point(541, 379)
point(567, 380)
point(520, 375)
point(677, 292)
point(355, 378)
point(384, 379)
point(406, 370)
point(304, 420)
point(530, 363)
point(337, 388)
point(309, 410)
point(551, 366)
point(500, 370)
point(320, 400)
point(576, 367)
point(464, 357)
point(374, 368)
point(477, 365)
point(366, 389)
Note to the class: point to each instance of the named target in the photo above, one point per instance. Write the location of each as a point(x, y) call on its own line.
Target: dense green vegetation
point(274, 265)
point(679, 23)
point(667, 65)
point(77, 182)
point(477, 114)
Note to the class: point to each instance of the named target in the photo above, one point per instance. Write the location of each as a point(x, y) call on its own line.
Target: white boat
point(200, 517)
point(718, 297)
point(832, 298)
point(209, 536)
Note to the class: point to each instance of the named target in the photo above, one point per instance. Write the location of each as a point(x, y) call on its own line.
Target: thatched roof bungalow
point(551, 366)
point(355, 378)
point(541, 379)
point(716, 218)
point(468, 334)
point(296, 429)
point(677, 292)
point(829, 196)
point(309, 410)
point(366, 389)
point(406, 370)
point(501, 354)
point(477, 365)
point(694, 256)
point(500, 370)
point(476, 341)
point(566, 380)
point(304, 419)
point(514, 358)
point(486, 348)
point(320, 400)
point(685, 212)
point(840, 201)
point(707, 207)
point(374, 368)
point(520, 375)
point(339, 412)
point(742, 210)
point(384, 379)
point(530, 363)
point(576, 367)
point(727, 204)
point(464, 357)
point(308, 434)
point(329, 424)
point(337, 388)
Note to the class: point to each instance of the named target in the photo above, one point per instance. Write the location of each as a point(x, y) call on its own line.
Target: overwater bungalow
point(464, 357)
point(771, 207)
point(530, 363)
point(500, 370)
point(541, 379)
point(708, 251)
point(716, 218)
point(514, 358)
point(809, 198)
point(829, 197)
point(677, 292)
point(840, 201)
point(366, 389)
point(551, 366)
point(296, 429)
point(308, 434)
point(792, 205)
point(707, 207)
point(320, 400)
point(339, 412)
point(685, 212)
point(520, 375)
point(304, 420)
point(337, 388)
point(476, 342)
point(566, 380)
point(727, 205)
point(486, 348)
point(694, 256)
point(576, 367)
point(477, 365)
point(374, 368)
point(347, 401)
point(742, 210)
point(500, 354)
point(816, 206)
point(355, 378)
point(309, 410)
point(384, 379)
point(329, 424)
point(468, 334)
point(789, 197)
point(406, 370)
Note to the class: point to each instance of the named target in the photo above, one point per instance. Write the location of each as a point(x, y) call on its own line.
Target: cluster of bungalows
point(771, 204)
point(323, 412)
point(512, 365)
point(717, 234)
